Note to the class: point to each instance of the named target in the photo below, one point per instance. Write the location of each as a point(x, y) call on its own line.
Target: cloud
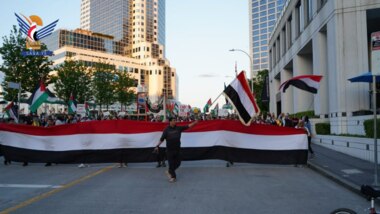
point(208, 75)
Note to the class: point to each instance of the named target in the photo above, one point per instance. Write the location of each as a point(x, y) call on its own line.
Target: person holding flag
point(172, 135)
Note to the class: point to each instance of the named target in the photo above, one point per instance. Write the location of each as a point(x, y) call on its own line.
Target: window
point(263, 7)
point(263, 25)
point(264, 48)
point(264, 42)
point(256, 38)
point(256, 32)
point(264, 36)
point(271, 5)
point(263, 19)
point(255, 50)
point(272, 17)
point(264, 30)
point(255, 15)
point(263, 13)
point(271, 11)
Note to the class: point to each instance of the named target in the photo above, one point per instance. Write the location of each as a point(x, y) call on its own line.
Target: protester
point(172, 135)
point(308, 126)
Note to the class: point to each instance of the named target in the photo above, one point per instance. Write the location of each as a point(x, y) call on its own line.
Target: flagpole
point(216, 99)
point(19, 104)
point(164, 108)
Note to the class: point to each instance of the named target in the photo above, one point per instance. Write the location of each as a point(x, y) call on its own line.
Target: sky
point(199, 35)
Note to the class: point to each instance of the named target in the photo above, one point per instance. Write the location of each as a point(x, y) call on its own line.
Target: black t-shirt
point(172, 135)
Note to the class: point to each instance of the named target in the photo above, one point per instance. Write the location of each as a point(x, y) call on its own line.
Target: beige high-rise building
point(129, 34)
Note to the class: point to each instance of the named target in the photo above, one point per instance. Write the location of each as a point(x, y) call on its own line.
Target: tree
point(123, 84)
point(104, 83)
point(258, 86)
point(73, 77)
point(28, 70)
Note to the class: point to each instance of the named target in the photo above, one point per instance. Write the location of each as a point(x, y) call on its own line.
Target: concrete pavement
point(346, 170)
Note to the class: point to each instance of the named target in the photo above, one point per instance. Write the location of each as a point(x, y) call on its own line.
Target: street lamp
point(251, 65)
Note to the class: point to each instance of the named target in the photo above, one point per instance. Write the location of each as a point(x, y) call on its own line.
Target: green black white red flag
point(38, 97)
point(11, 111)
point(72, 105)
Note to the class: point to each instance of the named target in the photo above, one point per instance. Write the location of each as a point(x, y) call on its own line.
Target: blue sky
point(199, 35)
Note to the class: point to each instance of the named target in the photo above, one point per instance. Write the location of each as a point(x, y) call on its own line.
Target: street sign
point(14, 85)
point(375, 53)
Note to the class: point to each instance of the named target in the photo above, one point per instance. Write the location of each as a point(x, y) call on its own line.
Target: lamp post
point(251, 65)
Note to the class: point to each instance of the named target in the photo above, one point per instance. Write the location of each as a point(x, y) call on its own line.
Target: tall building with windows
point(262, 18)
point(331, 38)
point(129, 34)
point(131, 22)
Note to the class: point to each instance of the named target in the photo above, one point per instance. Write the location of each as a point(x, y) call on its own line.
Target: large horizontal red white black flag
point(308, 83)
point(110, 141)
point(241, 97)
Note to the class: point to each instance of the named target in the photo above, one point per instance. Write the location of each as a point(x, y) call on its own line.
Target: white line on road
point(28, 186)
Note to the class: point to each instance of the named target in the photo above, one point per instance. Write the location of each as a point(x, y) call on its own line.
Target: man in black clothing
point(172, 135)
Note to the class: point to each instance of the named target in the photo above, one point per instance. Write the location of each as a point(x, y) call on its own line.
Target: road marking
point(29, 186)
point(47, 194)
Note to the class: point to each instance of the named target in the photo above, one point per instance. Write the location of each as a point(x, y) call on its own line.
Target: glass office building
point(130, 21)
point(263, 17)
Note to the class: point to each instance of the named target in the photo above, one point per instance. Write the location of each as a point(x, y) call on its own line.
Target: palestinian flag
point(11, 111)
point(215, 111)
point(72, 105)
point(38, 97)
point(241, 97)
point(308, 83)
point(110, 141)
point(207, 106)
point(87, 108)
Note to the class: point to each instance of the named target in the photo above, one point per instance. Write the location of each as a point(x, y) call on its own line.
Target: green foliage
point(73, 77)
point(299, 115)
point(368, 127)
point(322, 128)
point(258, 87)
point(27, 70)
point(103, 83)
point(123, 84)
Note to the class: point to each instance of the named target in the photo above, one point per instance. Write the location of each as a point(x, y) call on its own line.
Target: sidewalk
point(349, 171)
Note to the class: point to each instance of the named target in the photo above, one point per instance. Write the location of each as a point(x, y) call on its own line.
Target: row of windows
point(258, 48)
point(141, 71)
point(264, 7)
point(256, 25)
point(264, 13)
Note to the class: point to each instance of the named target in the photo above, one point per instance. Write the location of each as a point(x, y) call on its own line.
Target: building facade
point(128, 34)
point(329, 38)
point(262, 18)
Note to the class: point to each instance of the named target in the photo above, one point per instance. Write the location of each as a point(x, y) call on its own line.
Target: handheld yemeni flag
point(308, 83)
point(207, 106)
point(38, 97)
point(11, 111)
point(72, 105)
point(240, 96)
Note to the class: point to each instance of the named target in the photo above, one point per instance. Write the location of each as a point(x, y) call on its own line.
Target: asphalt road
point(202, 187)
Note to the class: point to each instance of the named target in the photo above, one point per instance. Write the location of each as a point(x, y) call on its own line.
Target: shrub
point(322, 128)
point(368, 127)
